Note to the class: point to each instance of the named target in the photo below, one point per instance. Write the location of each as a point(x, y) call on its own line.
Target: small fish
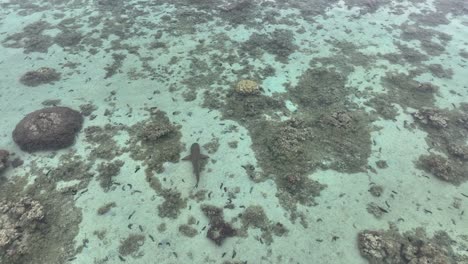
point(195, 156)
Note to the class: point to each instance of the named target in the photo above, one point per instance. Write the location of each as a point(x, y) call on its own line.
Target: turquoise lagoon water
point(336, 131)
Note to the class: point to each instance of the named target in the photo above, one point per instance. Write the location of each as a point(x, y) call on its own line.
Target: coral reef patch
point(40, 76)
point(415, 246)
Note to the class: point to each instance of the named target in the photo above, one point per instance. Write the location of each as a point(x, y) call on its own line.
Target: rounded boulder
point(48, 129)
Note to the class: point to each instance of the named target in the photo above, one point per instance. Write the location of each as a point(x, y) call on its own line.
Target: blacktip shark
point(195, 156)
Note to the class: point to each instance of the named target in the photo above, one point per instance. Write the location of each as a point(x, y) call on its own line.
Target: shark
point(195, 156)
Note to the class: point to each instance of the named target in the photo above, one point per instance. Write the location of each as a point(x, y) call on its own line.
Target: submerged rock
point(48, 129)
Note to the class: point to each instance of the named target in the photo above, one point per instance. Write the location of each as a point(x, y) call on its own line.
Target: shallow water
point(336, 131)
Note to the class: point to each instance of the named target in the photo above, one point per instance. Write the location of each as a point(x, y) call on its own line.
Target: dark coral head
point(219, 231)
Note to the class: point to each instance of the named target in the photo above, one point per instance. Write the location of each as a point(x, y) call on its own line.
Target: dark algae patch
point(40, 76)
point(31, 39)
point(104, 146)
point(407, 92)
point(130, 246)
point(107, 171)
point(188, 230)
point(173, 203)
point(254, 217)
point(219, 229)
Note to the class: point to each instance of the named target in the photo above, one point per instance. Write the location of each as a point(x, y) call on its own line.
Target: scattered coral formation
point(107, 170)
point(68, 38)
point(219, 229)
point(152, 131)
point(405, 91)
point(255, 217)
point(431, 117)
point(48, 129)
point(87, 109)
point(411, 247)
point(104, 145)
point(71, 167)
point(131, 245)
point(298, 187)
point(155, 141)
point(248, 108)
point(443, 168)
point(18, 220)
point(31, 39)
point(340, 119)
point(40, 76)
point(458, 151)
point(447, 132)
point(173, 203)
point(383, 107)
point(247, 87)
point(279, 43)
point(288, 142)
